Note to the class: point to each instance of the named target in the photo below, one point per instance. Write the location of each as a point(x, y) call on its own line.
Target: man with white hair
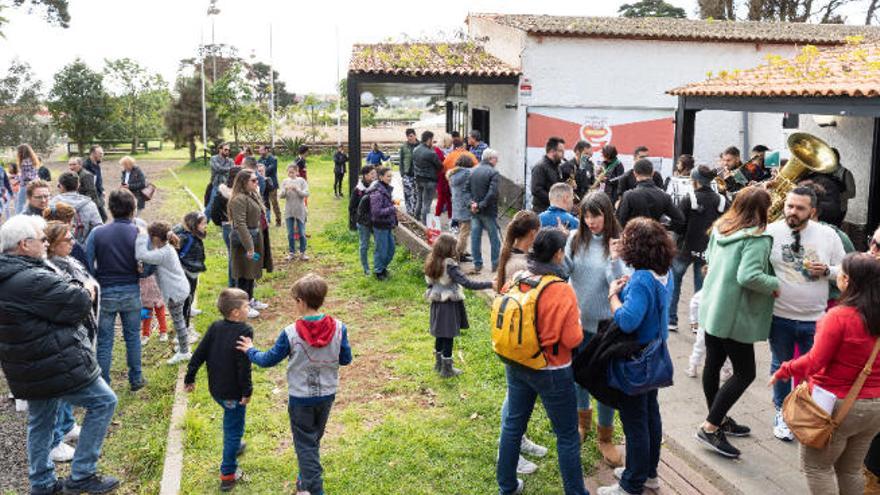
point(47, 357)
point(484, 206)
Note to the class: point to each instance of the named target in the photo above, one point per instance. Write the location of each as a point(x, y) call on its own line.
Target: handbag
point(647, 371)
point(148, 192)
point(811, 424)
point(235, 239)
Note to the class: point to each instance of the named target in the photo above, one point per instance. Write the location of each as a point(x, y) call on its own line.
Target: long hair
point(60, 212)
point(56, 232)
point(191, 220)
point(596, 203)
point(239, 186)
point(749, 209)
point(863, 290)
point(24, 152)
point(523, 223)
point(444, 247)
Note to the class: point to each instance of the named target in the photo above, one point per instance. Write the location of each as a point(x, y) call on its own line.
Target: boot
point(585, 423)
point(446, 368)
point(609, 451)
point(872, 483)
point(437, 360)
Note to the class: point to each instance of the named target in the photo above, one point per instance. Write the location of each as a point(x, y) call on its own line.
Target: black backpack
point(364, 214)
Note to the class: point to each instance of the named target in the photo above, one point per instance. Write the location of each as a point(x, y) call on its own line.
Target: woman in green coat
point(736, 308)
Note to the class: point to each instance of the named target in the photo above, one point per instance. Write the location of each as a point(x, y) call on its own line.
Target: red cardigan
point(841, 349)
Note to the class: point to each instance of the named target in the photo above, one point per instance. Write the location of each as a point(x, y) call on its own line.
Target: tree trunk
point(235, 134)
point(192, 148)
point(756, 10)
point(872, 8)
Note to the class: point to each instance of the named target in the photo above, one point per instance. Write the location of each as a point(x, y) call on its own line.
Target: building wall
point(505, 132)
point(501, 41)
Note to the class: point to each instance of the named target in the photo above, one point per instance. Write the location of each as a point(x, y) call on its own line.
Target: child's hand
point(189, 387)
point(245, 401)
point(245, 344)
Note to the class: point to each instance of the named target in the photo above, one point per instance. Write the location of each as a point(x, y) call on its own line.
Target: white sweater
point(169, 274)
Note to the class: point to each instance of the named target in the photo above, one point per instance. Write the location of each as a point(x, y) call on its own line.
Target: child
point(448, 314)
point(361, 218)
point(315, 345)
point(192, 259)
point(169, 274)
point(151, 300)
point(561, 202)
point(698, 353)
point(295, 190)
point(229, 376)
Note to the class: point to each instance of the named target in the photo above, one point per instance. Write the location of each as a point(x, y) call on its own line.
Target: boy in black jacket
point(229, 376)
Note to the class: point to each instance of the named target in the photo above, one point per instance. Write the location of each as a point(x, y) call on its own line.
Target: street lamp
point(213, 11)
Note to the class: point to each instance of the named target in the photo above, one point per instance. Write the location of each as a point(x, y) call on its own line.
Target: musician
point(629, 180)
point(578, 172)
point(608, 173)
point(730, 162)
point(754, 170)
point(837, 192)
point(680, 184)
point(646, 199)
point(545, 173)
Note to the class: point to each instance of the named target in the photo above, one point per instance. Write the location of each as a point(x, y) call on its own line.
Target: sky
point(159, 33)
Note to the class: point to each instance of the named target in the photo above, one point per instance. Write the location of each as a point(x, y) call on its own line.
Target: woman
point(559, 332)
point(610, 168)
point(134, 180)
point(459, 184)
point(845, 338)
point(27, 163)
point(220, 215)
point(592, 263)
point(375, 157)
point(736, 309)
point(384, 216)
point(246, 237)
point(640, 306)
point(64, 213)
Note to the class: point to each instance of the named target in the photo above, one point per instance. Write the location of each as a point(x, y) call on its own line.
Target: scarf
point(541, 268)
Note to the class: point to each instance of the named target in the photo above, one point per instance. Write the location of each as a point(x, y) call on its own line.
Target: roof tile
point(427, 59)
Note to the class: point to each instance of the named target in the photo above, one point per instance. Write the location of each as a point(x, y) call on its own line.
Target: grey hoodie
point(85, 208)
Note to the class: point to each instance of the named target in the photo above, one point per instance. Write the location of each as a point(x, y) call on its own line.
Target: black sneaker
point(717, 442)
point(134, 387)
point(732, 429)
point(58, 487)
point(227, 482)
point(94, 484)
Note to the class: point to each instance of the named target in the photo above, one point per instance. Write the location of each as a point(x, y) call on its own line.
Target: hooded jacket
point(460, 184)
point(45, 349)
point(85, 208)
point(354, 200)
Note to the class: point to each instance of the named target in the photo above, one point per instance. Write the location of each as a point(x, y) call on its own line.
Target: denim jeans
point(784, 334)
point(20, 200)
point(582, 396)
point(680, 265)
point(364, 234)
point(479, 222)
point(556, 390)
point(643, 428)
point(294, 227)
point(64, 422)
point(227, 230)
point(126, 302)
point(425, 195)
point(210, 205)
point(233, 431)
point(384, 252)
point(99, 401)
point(307, 423)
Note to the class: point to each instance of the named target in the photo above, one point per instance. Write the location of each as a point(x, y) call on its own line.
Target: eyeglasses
point(42, 196)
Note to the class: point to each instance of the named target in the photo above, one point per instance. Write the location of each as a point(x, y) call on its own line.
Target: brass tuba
point(808, 154)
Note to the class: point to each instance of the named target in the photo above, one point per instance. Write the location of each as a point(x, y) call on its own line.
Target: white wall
point(504, 131)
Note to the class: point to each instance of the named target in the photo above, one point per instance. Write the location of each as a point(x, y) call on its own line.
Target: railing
point(116, 146)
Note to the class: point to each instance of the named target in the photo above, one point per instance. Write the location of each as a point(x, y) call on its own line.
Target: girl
point(27, 164)
point(448, 314)
point(192, 258)
point(170, 276)
point(518, 239)
point(295, 190)
point(152, 303)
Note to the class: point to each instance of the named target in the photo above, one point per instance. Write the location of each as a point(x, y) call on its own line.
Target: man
point(484, 208)
point(110, 253)
point(559, 214)
point(87, 216)
point(628, 181)
point(406, 171)
point(87, 185)
point(46, 354)
point(220, 166)
point(579, 168)
point(476, 144)
point(271, 163)
point(729, 163)
point(646, 199)
point(545, 173)
point(92, 164)
point(426, 164)
point(339, 161)
point(806, 255)
point(37, 198)
point(754, 170)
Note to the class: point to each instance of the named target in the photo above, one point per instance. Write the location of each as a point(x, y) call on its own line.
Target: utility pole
point(271, 90)
point(338, 96)
point(204, 107)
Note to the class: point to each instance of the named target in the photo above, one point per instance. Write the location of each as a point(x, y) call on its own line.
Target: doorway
point(480, 122)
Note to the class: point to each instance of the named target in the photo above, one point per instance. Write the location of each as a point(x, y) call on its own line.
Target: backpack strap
point(183, 252)
point(540, 285)
point(857, 386)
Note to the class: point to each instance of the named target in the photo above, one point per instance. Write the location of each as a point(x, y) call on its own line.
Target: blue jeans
point(680, 265)
point(640, 416)
point(582, 396)
point(784, 334)
point(479, 222)
point(21, 200)
point(227, 230)
point(556, 390)
point(126, 302)
point(210, 205)
point(307, 424)
point(64, 422)
point(364, 234)
point(99, 401)
point(295, 226)
point(384, 252)
point(233, 430)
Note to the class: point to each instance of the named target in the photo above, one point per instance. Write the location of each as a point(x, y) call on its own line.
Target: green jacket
point(737, 297)
point(406, 159)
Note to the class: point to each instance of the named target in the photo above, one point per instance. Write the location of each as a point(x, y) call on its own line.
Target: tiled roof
point(664, 28)
point(849, 70)
point(427, 59)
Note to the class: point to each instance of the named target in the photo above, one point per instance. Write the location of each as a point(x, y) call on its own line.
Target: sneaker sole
point(715, 449)
point(98, 492)
point(737, 435)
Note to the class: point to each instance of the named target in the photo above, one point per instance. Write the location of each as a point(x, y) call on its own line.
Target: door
point(480, 122)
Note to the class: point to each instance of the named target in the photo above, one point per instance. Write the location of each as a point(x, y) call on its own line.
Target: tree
point(315, 113)
point(259, 75)
point(183, 120)
point(651, 8)
point(229, 95)
point(140, 99)
point(20, 101)
point(78, 102)
point(716, 9)
point(55, 11)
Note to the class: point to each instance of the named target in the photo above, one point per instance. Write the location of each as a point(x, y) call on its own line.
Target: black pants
point(443, 346)
point(307, 423)
point(742, 356)
point(247, 285)
point(337, 183)
point(187, 305)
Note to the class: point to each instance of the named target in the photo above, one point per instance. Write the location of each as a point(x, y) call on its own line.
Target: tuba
point(808, 154)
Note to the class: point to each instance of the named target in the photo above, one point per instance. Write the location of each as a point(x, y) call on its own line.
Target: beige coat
point(245, 211)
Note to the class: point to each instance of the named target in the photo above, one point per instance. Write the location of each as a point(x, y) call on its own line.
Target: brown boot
point(609, 451)
point(585, 423)
point(872, 483)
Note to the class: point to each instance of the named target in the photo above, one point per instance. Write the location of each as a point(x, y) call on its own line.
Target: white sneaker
point(62, 453)
point(614, 489)
point(525, 466)
point(529, 447)
point(303, 257)
point(73, 434)
point(780, 429)
point(258, 304)
point(192, 336)
point(144, 340)
point(179, 358)
point(195, 311)
point(691, 371)
point(650, 483)
point(163, 337)
point(253, 313)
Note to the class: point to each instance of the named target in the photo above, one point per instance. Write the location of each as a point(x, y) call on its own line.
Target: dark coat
point(484, 189)
point(698, 220)
point(339, 161)
point(544, 174)
point(590, 366)
point(612, 186)
point(95, 169)
point(193, 260)
point(648, 200)
point(382, 207)
point(137, 181)
point(426, 163)
point(245, 211)
point(583, 177)
point(87, 187)
point(45, 349)
point(628, 181)
point(354, 201)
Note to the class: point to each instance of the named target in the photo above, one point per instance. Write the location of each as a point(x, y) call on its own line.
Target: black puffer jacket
point(193, 260)
point(44, 347)
point(544, 174)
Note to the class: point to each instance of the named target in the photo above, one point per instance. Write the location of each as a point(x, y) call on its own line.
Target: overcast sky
point(158, 33)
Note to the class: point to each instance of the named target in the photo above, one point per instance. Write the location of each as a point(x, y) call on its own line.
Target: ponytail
point(523, 222)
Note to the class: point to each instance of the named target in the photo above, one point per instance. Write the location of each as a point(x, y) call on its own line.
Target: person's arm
point(198, 357)
point(468, 283)
point(837, 254)
point(63, 301)
point(561, 301)
point(345, 349)
point(694, 309)
point(752, 271)
point(630, 315)
point(243, 370)
point(615, 269)
point(377, 209)
point(238, 217)
point(303, 190)
point(540, 189)
point(829, 337)
point(88, 187)
point(90, 252)
point(272, 356)
point(150, 256)
point(92, 216)
point(491, 193)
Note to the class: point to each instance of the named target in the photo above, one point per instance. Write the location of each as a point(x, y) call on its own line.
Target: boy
point(229, 376)
point(315, 345)
point(561, 202)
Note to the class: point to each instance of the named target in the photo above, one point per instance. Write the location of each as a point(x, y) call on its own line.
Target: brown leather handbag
point(810, 423)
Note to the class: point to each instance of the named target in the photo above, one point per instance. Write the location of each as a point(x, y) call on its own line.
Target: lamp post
point(213, 11)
